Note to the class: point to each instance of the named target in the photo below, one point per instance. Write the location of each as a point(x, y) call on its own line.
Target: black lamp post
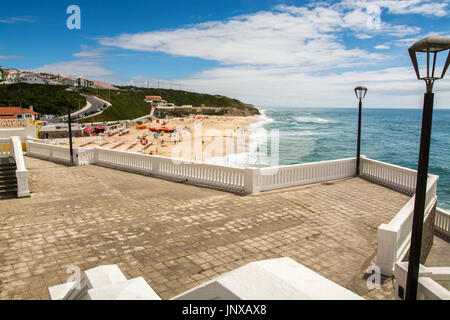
point(429, 45)
point(360, 94)
point(68, 93)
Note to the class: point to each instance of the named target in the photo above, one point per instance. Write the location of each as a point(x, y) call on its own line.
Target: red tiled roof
point(153, 97)
point(7, 117)
point(10, 111)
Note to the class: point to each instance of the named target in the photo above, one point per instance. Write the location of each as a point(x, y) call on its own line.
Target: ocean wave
point(302, 133)
point(263, 119)
point(314, 120)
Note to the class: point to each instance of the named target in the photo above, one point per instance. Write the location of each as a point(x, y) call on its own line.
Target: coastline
point(218, 132)
point(241, 157)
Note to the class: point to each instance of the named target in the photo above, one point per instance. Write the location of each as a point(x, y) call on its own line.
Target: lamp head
point(68, 92)
point(360, 92)
point(431, 45)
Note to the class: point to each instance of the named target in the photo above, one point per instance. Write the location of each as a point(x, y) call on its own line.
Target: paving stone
point(177, 236)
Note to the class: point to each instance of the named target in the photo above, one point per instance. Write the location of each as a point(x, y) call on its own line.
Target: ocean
point(389, 135)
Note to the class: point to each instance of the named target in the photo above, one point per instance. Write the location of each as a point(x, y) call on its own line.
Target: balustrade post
point(387, 248)
point(22, 184)
point(252, 180)
point(155, 167)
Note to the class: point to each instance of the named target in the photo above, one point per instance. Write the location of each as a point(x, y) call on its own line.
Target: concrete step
point(7, 171)
point(8, 187)
point(104, 283)
point(7, 168)
point(7, 165)
point(8, 195)
point(133, 289)
point(93, 278)
point(7, 179)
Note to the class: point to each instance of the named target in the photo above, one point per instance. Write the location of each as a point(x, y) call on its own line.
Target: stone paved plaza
point(178, 236)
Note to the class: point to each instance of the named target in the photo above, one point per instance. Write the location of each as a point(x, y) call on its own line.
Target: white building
point(33, 79)
point(18, 113)
point(11, 76)
point(155, 100)
point(69, 82)
point(84, 83)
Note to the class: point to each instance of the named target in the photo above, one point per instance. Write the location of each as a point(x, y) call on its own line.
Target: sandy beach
point(200, 138)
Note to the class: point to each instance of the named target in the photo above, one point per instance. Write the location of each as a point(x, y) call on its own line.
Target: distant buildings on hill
point(162, 105)
point(11, 76)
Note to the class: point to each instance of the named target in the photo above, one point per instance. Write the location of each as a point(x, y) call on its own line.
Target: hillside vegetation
point(45, 99)
point(128, 103)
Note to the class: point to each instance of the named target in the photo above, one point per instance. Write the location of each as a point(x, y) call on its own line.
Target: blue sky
point(269, 53)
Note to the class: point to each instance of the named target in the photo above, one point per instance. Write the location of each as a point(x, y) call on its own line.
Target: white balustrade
point(394, 238)
point(48, 152)
point(5, 148)
point(396, 177)
point(307, 173)
point(21, 170)
point(433, 282)
point(442, 221)
point(12, 148)
point(189, 171)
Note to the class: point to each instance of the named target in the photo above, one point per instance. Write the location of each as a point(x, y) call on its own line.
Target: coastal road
point(96, 103)
point(92, 103)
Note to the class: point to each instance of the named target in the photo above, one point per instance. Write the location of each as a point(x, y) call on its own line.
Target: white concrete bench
point(274, 279)
point(134, 289)
point(104, 283)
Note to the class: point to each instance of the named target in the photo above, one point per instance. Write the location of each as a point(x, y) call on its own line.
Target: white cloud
point(294, 56)
point(12, 20)
point(77, 68)
point(287, 36)
point(393, 87)
point(422, 7)
point(10, 57)
point(89, 52)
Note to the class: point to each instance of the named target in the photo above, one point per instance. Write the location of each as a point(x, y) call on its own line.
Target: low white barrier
point(21, 170)
point(247, 180)
point(394, 238)
point(433, 282)
point(442, 221)
point(190, 171)
point(23, 133)
point(5, 148)
point(307, 173)
point(12, 147)
point(48, 152)
point(396, 177)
